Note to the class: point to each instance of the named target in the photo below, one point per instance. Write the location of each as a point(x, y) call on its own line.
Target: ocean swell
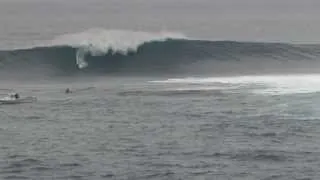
point(101, 51)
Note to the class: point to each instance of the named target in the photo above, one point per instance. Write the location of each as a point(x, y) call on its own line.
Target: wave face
point(125, 52)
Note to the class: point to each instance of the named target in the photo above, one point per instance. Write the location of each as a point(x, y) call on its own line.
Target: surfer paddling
point(67, 91)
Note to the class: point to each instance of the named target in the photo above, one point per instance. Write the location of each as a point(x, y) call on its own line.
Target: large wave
point(119, 51)
point(98, 42)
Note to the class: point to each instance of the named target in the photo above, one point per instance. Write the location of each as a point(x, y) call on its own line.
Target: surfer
point(68, 91)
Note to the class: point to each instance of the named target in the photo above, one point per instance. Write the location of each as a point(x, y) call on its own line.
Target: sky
point(242, 20)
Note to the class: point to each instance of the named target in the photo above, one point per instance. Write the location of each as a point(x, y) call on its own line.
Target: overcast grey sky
point(245, 20)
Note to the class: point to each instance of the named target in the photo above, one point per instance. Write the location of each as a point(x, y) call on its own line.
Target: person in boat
point(15, 96)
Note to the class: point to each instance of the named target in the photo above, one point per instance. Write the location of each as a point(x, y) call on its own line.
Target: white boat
point(10, 100)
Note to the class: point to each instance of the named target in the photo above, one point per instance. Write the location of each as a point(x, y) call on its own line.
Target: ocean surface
point(156, 99)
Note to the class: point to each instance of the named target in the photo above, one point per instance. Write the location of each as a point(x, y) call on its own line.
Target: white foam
point(198, 88)
point(274, 84)
point(99, 41)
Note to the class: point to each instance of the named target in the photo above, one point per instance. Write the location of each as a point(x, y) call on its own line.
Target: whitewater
point(160, 90)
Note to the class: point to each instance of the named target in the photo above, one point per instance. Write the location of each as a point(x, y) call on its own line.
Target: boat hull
point(18, 101)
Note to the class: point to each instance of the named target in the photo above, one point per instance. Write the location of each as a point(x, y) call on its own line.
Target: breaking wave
point(97, 42)
point(119, 51)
